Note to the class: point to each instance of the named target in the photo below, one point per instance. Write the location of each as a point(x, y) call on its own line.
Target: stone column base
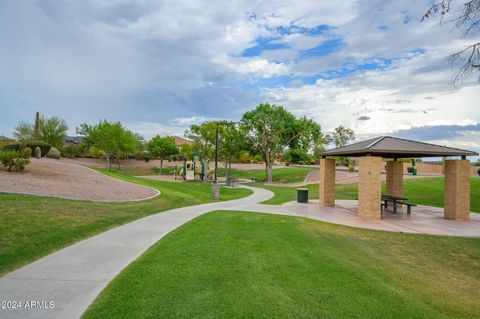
point(369, 187)
point(327, 182)
point(457, 189)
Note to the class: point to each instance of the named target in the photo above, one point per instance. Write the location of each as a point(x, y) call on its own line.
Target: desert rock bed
point(52, 177)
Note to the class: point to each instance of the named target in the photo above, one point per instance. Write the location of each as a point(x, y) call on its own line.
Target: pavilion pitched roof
point(394, 147)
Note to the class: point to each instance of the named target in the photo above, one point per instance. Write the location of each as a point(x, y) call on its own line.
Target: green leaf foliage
point(50, 130)
point(12, 159)
point(32, 144)
point(111, 138)
point(162, 147)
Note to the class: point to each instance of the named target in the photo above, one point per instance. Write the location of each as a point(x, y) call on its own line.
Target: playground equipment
point(413, 169)
point(196, 169)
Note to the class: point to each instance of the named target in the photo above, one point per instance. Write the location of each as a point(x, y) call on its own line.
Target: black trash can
point(302, 195)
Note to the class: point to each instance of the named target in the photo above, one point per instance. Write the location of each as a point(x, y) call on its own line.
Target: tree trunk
point(268, 168)
point(161, 165)
point(269, 173)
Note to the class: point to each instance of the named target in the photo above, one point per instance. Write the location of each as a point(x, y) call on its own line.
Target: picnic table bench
point(395, 200)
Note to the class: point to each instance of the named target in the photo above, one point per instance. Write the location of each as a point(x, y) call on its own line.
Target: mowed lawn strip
point(250, 265)
point(424, 191)
point(279, 175)
point(34, 226)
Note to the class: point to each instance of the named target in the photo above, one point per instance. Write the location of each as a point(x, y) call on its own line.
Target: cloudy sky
point(159, 66)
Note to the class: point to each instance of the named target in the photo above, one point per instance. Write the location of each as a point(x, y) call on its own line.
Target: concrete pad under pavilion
point(371, 154)
point(423, 219)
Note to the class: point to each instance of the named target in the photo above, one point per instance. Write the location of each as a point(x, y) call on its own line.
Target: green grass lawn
point(425, 191)
point(279, 175)
point(34, 226)
point(249, 265)
point(137, 171)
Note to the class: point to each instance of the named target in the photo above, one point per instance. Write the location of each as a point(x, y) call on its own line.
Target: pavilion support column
point(457, 189)
point(327, 182)
point(394, 172)
point(369, 187)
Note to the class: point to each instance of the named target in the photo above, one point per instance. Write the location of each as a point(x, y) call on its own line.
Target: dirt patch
point(56, 178)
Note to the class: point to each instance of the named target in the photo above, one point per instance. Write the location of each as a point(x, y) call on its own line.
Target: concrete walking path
point(74, 276)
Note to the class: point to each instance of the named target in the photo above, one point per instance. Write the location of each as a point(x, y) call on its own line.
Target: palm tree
point(50, 130)
point(53, 131)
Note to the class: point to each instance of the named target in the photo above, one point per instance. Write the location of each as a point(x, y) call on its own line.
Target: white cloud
point(255, 67)
point(150, 129)
point(179, 62)
point(377, 94)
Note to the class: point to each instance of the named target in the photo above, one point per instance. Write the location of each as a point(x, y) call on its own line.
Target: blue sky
point(161, 66)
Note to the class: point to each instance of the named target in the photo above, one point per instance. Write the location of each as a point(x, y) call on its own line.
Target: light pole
point(215, 185)
point(216, 154)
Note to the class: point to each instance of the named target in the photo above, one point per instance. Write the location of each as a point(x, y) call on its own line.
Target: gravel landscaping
point(49, 177)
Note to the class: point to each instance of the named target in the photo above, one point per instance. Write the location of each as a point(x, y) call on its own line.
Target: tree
point(342, 135)
point(203, 136)
point(271, 129)
point(24, 131)
point(53, 131)
point(186, 151)
point(50, 130)
point(320, 145)
point(303, 134)
point(162, 147)
point(231, 142)
point(111, 138)
point(468, 20)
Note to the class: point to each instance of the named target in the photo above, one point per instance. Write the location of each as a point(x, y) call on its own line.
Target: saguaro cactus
point(36, 129)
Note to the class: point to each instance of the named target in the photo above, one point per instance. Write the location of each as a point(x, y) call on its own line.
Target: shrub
point(72, 150)
point(22, 146)
point(44, 147)
point(156, 170)
point(13, 159)
point(296, 155)
point(4, 141)
point(95, 153)
point(53, 153)
point(8, 158)
point(21, 163)
point(27, 152)
point(245, 157)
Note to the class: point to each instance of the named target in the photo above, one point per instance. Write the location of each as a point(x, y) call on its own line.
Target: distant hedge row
point(44, 147)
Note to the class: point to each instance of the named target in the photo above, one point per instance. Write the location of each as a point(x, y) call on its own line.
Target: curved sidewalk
point(74, 276)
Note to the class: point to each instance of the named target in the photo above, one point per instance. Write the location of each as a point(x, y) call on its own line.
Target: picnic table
point(394, 199)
